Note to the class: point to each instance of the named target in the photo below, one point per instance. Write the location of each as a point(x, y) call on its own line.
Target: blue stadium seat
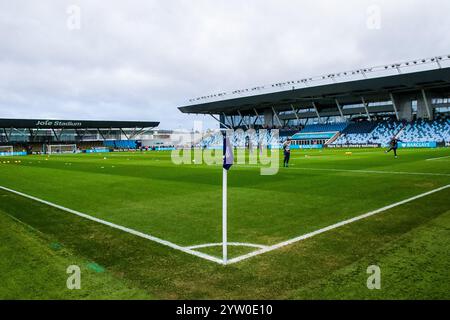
point(121, 144)
point(332, 127)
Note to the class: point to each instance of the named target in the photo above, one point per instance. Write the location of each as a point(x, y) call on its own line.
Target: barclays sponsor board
point(431, 144)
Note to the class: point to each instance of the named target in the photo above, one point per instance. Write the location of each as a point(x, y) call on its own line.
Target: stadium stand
point(331, 127)
point(426, 131)
point(360, 127)
point(121, 144)
point(242, 139)
point(370, 133)
point(354, 133)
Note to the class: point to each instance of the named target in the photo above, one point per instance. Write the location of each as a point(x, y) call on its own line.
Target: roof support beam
point(295, 112)
point(30, 130)
point(276, 115)
point(427, 105)
point(317, 110)
point(123, 132)
point(56, 136)
point(339, 108)
point(6, 135)
point(101, 134)
point(395, 105)
point(243, 120)
point(226, 126)
point(257, 116)
point(225, 120)
point(141, 131)
point(366, 108)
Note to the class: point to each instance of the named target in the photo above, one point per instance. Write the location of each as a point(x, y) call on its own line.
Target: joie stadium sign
point(57, 123)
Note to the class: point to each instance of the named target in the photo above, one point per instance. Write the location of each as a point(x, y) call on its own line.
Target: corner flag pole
point(228, 161)
point(224, 216)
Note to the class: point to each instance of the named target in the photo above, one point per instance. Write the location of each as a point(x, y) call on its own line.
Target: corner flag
point(228, 156)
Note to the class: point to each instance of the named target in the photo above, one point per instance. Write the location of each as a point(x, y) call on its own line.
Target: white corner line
point(379, 172)
point(334, 226)
point(232, 244)
point(360, 171)
point(119, 227)
point(189, 250)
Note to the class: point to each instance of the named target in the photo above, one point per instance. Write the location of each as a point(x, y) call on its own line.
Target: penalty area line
point(118, 227)
point(334, 226)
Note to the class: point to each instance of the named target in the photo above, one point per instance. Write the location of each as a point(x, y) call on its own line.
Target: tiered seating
point(360, 127)
point(320, 132)
point(426, 131)
point(370, 133)
point(354, 133)
point(385, 131)
point(121, 144)
point(241, 139)
point(332, 127)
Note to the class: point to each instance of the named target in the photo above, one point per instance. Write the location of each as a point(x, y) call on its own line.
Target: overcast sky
point(140, 60)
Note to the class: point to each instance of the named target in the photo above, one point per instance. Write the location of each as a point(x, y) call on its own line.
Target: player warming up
point(287, 153)
point(394, 146)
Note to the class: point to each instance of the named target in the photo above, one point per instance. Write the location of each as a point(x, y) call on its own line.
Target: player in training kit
point(287, 152)
point(393, 146)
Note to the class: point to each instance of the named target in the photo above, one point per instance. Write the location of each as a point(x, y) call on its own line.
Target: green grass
point(182, 204)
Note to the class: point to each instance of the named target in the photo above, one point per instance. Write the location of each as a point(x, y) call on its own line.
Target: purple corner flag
point(228, 156)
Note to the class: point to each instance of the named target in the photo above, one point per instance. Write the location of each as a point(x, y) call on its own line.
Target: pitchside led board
point(417, 145)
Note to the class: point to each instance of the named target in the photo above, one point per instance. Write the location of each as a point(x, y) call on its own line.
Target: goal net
point(61, 148)
point(6, 150)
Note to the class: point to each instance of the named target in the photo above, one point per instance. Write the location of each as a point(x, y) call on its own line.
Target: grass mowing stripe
point(334, 226)
point(115, 226)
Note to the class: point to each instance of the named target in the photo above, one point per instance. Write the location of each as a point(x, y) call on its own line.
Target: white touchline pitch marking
point(263, 250)
point(432, 159)
point(233, 244)
point(243, 166)
point(360, 171)
point(119, 227)
point(378, 172)
point(334, 226)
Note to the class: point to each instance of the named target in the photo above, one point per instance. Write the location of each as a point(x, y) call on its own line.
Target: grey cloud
point(142, 59)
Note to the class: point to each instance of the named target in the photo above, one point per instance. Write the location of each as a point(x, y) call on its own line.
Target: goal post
point(61, 148)
point(6, 150)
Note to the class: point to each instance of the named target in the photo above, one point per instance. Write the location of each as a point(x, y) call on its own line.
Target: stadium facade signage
point(73, 124)
point(56, 123)
point(430, 144)
point(370, 145)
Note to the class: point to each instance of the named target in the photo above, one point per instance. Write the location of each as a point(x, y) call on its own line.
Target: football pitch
point(142, 227)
